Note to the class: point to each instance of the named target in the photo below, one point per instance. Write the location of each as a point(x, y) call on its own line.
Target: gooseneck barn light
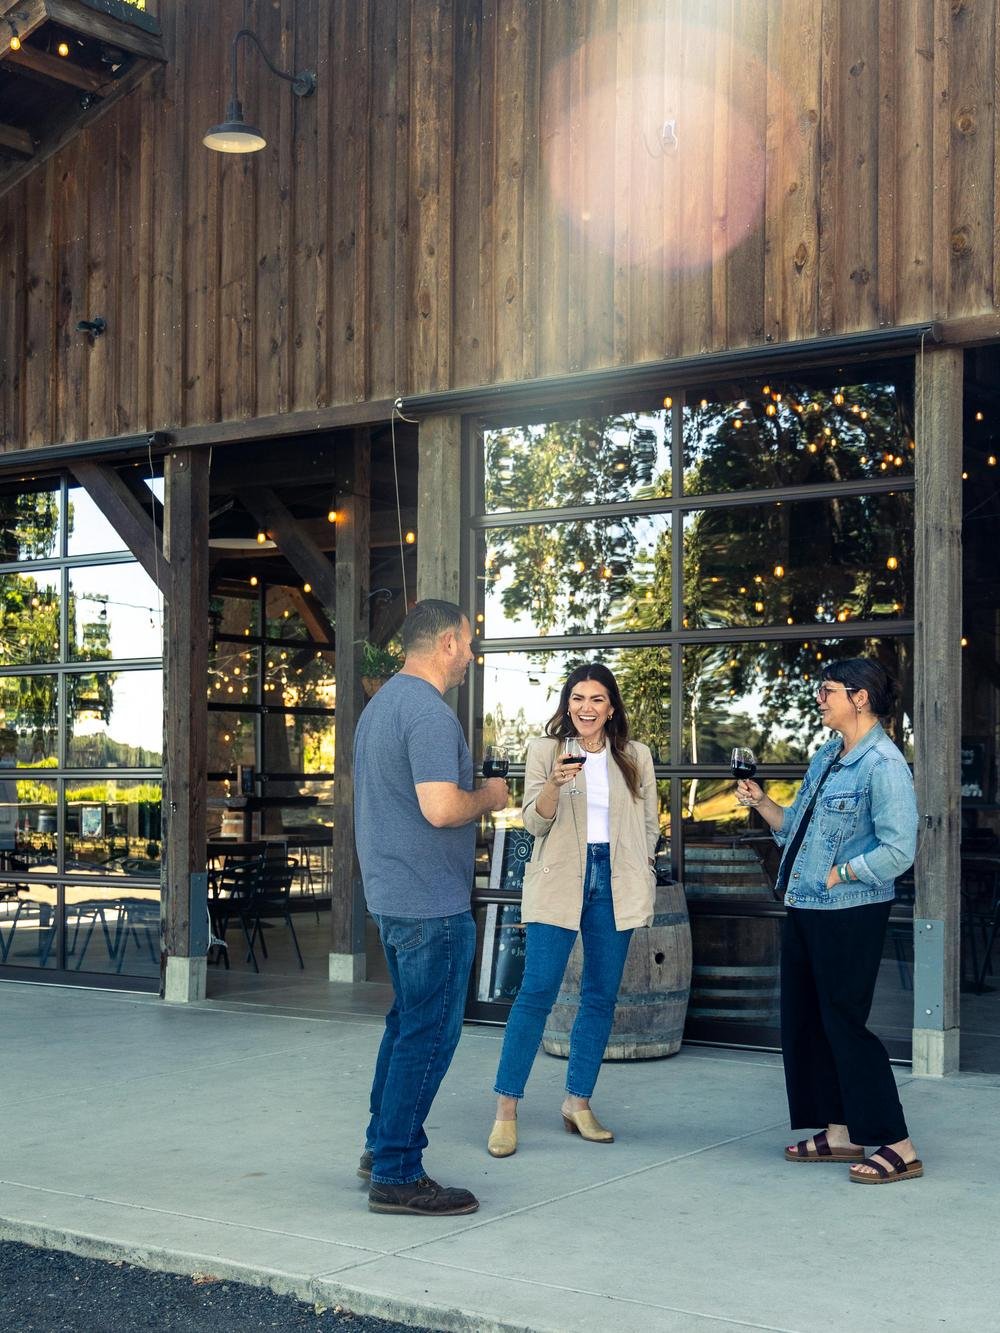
point(234, 135)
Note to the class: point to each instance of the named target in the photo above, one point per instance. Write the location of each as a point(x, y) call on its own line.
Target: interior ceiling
point(302, 473)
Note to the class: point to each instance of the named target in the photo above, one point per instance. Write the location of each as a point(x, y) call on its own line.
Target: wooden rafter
point(304, 554)
point(18, 141)
point(132, 522)
point(57, 69)
point(19, 20)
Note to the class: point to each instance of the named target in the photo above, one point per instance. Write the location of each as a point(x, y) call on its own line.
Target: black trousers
point(836, 1071)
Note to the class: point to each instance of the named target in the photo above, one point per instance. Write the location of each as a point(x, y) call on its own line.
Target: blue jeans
point(429, 962)
point(546, 955)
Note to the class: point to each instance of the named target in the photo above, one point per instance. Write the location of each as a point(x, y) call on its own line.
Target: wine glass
point(496, 761)
point(573, 753)
point(742, 762)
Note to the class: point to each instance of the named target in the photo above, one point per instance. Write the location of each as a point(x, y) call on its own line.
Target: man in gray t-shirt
point(415, 815)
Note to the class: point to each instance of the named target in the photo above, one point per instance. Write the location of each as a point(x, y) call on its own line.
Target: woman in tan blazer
point(591, 872)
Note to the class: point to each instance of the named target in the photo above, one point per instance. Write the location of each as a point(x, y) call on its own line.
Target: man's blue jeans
point(429, 962)
point(546, 955)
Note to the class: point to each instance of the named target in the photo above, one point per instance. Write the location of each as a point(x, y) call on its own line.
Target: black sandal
point(823, 1153)
point(900, 1170)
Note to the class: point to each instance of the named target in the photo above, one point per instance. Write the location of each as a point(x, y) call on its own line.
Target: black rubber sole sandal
point(882, 1175)
point(823, 1153)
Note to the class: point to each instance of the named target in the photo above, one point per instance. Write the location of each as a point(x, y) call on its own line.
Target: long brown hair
point(616, 727)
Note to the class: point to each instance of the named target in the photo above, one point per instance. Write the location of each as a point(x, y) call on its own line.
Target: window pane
point(235, 615)
point(113, 825)
point(763, 695)
point(729, 852)
point(792, 563)
point(299, 677)
point(111, 928)
point(29, 524)
point(232, 672)
point(27, 821)
point(597, 460)
point(306, 808)
point(283, 618)
point(89, 532)
point(28, 721)
point(28, 927)
point(29, 618)
point(113, 612)
point(231, 740)
point(576, 578)
point(520, 692)
point(298, 742)
point(114, 719)
point(792, 433)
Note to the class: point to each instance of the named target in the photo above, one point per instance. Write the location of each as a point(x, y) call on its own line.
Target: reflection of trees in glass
point(802, 562)
point(29, 525)
point(571, 574)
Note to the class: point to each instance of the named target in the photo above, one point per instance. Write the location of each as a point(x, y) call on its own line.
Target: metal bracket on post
point(198, 908)
point(928, 973)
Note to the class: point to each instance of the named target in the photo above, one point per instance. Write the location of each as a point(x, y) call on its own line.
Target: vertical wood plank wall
point(493, 190)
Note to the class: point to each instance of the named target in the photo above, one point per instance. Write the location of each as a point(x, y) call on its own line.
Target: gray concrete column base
point(935, 1053)
point(186, 980)
point(348, 967)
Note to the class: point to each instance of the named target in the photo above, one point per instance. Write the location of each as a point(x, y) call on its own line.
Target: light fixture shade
point(234, 136)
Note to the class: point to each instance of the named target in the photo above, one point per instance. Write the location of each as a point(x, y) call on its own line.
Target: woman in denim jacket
point(850, 831)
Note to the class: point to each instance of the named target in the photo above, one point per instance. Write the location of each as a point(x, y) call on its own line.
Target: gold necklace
point(593, 751)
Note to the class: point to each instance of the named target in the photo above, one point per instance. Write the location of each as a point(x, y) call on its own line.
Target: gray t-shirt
point(408, 734)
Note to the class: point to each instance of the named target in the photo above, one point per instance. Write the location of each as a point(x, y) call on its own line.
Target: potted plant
point(377, 665)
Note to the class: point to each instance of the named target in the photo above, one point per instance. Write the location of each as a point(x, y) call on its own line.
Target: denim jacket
point(866, 816)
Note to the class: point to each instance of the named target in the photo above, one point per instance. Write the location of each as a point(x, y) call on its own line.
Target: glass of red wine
point(573, 753)
point(496, 761)
point(743, 763)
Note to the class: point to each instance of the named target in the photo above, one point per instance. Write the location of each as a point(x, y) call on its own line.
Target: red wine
point(574, 758)
point(495, 768)
point(744, 770)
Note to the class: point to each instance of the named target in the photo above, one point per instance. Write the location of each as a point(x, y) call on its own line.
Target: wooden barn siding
point(480, 192)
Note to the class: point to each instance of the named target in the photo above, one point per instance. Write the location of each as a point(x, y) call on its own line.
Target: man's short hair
point(427, 621)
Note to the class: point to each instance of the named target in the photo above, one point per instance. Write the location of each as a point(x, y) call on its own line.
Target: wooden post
point(937, 719)
point(439, 512)
point(439, 507)
point(185, 729)
point(347, 906)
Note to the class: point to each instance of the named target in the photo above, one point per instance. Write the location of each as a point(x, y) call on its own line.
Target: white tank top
point(598, 825)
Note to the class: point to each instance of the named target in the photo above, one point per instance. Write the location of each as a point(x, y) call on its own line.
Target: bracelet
point(842, 872)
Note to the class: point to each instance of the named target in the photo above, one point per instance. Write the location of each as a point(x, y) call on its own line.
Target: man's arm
point(446, 805)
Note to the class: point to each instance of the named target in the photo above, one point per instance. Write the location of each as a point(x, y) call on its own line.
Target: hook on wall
point(95, 327)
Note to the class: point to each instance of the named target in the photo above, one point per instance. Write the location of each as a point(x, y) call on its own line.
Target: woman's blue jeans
point(429, 961)
point(546, 955)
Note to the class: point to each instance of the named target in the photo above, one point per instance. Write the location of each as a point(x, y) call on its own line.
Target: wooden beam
point(300, 550)
point(283, 424)
point(54, 69)
point(18, 141)
point(439, 507)
point(311, 615)
point(347, 908)
point(58, 133)
point(185, 669)
point(135, 525)
point(937, 714)
point(970, 330)
point(115, 32)
point(19, 19)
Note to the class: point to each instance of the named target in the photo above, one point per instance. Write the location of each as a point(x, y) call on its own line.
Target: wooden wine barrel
point(653, 997)
point(720, 871)
point(735, 973)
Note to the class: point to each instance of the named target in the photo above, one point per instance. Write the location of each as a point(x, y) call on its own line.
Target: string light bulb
point(15, 43)
point(307, 587)
point(253, 583)
point(410, 538)
point(668, 402)
point(892, 563)
point(261, 537)
point(63, 49)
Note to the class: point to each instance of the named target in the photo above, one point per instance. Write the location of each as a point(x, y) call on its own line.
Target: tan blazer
point(553, 878)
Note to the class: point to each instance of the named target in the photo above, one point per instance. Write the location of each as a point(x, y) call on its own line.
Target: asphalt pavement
point(50, 1291)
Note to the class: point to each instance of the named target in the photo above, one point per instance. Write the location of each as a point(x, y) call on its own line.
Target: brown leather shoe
point(422, 1198)
point(365, 1165)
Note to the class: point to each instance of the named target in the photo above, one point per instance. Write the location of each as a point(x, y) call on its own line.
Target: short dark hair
point(864, 673)
point(427, 621)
